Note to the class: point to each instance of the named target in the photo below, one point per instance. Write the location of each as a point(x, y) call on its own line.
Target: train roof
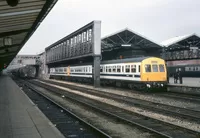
point(138, 59)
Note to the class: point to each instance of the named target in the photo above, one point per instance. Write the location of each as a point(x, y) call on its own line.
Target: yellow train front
point(154, 73)
point(143, 73)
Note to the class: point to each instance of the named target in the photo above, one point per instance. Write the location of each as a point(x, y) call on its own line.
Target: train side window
point(127, 68)
point(133, 68)
point(65, 69)
point(118, 68)
point(106, 68)
point(161, 68)
point(110, 69)
point(122, 68)
point(139, 68)
point(148, 68)
point(101, 69)
point(155, 68)
point(114, 68)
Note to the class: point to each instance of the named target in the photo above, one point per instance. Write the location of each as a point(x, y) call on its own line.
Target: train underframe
point(134, 85)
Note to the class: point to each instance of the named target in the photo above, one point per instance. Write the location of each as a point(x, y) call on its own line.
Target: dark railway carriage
point(27, 71)
point(136, 73)
point(189, 68)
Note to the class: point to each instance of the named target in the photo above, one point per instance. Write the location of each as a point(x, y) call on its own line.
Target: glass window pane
point(114, 68)
point(118, 68)
point(127, 68)
point(133, 68)
point(148, 68)
point(139, 68)
point(161, 68)
point(155, 68)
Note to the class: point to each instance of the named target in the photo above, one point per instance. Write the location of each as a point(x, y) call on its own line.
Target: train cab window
point(133, 68)
point(139, 68)
point(155, 68)
point(118, 68)
point(127, 68)
point(114, 68)
point(148, 68)
point(161, 68)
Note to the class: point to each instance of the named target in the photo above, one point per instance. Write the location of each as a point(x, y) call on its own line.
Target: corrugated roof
point(20, 22)
point(176, 39)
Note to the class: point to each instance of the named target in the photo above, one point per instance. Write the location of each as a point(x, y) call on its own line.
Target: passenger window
point(110, 69)
point(139, 68)
point(127, 68)
point(148, 68)
point(133, 68)
point(118, 68)
point(101, 69)
point(114, 68)
point(155, 68)
point(161, 68)
point(122, 68)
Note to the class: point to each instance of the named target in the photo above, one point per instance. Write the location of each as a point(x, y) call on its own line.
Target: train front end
point(154, 73)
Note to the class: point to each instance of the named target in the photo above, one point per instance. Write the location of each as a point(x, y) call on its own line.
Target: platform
point(19, 117)
point(188, 82)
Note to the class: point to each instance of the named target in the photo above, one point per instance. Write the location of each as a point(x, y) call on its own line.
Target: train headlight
point(148, 85)
point(162, 85)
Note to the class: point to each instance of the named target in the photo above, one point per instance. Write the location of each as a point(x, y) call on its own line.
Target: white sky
point(157, 20)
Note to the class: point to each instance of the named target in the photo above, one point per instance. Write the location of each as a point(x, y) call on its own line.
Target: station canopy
point(127, 38)
point(18, 23)
point(182, 42)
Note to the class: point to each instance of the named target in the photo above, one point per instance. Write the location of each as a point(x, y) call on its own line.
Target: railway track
point(67, 123)
point(161, 128)
point(189, 114)
point(182, 96)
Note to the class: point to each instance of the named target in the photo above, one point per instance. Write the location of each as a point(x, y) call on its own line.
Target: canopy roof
point(185, 40)
point(127, 38)
point(19, 23)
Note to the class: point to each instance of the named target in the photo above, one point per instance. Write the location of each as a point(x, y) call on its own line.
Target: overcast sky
point(157, 20)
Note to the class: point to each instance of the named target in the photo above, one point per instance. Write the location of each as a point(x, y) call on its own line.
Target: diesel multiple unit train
point(136, 73)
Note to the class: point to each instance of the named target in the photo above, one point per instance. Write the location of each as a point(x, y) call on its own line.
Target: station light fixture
point(12, 3)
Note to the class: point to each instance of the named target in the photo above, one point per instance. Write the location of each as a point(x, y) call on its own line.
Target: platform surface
point(189, 82)
point(19, 117)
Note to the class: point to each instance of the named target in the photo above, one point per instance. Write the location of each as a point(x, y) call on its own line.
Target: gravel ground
point(152, 98)
point(100, 121)
point(172, 120)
